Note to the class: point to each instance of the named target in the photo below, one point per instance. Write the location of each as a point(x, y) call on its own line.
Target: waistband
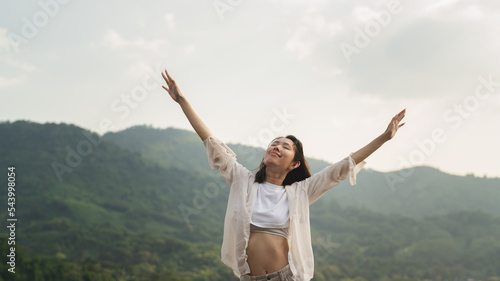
point(283, 232)
point(285, 271)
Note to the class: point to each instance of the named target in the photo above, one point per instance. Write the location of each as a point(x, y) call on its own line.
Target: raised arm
point(389, 133)
point(198, 125)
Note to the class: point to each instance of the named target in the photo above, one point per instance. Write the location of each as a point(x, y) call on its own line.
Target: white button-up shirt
point(243, 190)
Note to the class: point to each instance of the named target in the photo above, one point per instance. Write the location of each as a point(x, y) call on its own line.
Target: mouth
point(275, 153)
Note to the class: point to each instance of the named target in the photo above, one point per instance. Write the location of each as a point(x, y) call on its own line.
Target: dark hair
point(295, 175)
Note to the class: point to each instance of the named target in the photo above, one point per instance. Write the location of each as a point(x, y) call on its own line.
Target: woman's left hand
point(394, 125)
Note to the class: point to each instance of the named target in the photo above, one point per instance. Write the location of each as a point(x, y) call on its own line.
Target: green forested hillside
point(183, 149)
point(170, 147)
point(425, 192)
point(105, 207)
point(143, 204)
point(417, 192)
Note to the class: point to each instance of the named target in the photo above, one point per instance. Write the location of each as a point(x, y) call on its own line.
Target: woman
point(266, 228)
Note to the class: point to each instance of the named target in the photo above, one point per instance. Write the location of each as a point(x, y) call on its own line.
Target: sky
point(332, 73)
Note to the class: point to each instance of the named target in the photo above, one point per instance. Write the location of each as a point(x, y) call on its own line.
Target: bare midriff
point(266, 253)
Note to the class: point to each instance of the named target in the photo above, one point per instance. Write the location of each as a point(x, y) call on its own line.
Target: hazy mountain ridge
point(183, 149)
point(416, 192)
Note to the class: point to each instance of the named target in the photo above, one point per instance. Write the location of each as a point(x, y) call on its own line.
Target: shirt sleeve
point(222, 158)
point(330, 176)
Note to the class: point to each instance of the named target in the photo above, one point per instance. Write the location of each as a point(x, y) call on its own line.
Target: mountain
point(111, 184)
point(145, 203)
point(183, 149)
point(79, 196)
point(416, 192)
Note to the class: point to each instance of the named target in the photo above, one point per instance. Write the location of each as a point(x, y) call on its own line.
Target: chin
point(269, 162)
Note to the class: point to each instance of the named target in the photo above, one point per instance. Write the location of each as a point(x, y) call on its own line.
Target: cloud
point(114, 40)
point(440, 4)
point(9, 81)
point(427, 49)
point(6, 43)
point(298, 45)
point(425, 54)
point(307, 35)
point(473, 12)
point(364, 13)
point(189, 49)
point(18, 65)
point(11, 65)
point(463, 10)
point(169, 18)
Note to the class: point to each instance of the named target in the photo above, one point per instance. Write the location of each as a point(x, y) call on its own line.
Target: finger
point(164, 77)
point(168, 79)
point(168, 74)
point(165, 88)
point(401, 125)
point(401, 115)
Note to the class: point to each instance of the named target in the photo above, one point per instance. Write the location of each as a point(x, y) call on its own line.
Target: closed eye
point(284, 145)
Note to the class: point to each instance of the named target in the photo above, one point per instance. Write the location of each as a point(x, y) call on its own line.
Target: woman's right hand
point(172, 88)
point(174, 92)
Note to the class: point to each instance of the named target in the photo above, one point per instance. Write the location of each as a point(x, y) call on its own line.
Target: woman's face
point(280, 153)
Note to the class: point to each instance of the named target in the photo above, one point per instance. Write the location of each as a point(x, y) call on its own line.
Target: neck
point(275, 177)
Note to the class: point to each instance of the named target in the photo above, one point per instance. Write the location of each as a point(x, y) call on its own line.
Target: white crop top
point(270, 209)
